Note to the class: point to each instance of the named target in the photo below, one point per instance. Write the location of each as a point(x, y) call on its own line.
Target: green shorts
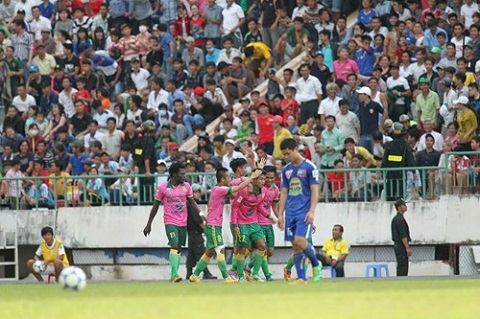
point(269, 235)
point(214, 236)
point(249, 233)
point(177, 235)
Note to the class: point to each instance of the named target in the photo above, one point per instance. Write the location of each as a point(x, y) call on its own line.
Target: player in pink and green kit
point(246, 228)
point(213, 229)
point(270, 202)
point(175, 194)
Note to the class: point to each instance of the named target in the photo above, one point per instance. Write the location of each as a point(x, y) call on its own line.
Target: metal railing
point(336, 185)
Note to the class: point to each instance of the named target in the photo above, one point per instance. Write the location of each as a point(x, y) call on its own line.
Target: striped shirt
point(129, 47)
point(86, 24)
point(23, 45)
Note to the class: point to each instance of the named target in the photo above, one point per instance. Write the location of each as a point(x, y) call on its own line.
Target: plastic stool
point(377, 270)
point(333, 272)
point(50, 276)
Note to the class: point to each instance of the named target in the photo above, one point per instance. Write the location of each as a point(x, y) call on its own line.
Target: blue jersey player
point(298, 198)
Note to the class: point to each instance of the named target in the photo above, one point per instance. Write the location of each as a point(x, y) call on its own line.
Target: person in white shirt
point(228, 53)
point(23, 101)
point(300, 10)
point(39, 23)
point(377, 28)
point(418, 68)
point(428, 127)
point(466, 12)
point(347, 121)
point(329, 105)
point(66, 97)
point(157, 96)
point(26, 6)
point(139, 77)
point(233, 19)
point(113, 139)
point(230, 154)
point(92, 135)
point(101, 116)
point(379, 141)
point(459, 39)
point(309, 93)
point(400, 88)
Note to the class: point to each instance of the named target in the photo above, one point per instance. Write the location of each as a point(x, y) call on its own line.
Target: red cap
point(198, 91)
point(277, 119)
point(173, 146)
point(263, 103)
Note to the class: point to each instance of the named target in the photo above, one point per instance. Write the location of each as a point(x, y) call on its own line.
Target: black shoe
point(209, 276)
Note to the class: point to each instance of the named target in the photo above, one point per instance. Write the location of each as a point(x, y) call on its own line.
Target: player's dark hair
point(47, 230)
point(270, 169)
point(256, 169)
point(289, 144)
point(339, 226)
point(221, 173)
point(175, 168)
point(237, 163)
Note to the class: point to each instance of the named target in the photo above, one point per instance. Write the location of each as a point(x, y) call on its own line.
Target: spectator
point(228, 52)
point(369, 113)
point(331, 143)
point(329, 105)
point(349, 92)
point(78, 159)
point(467, 123)
point(309, 93)
point(58, 120)
point(233, 19)
point(438, 138)
point(280, 134)
point(238, 83)
point(24, 156)
point(23, 101)
point(351, 149)
point(335, 251)
point(43, 154)
point(59, 186)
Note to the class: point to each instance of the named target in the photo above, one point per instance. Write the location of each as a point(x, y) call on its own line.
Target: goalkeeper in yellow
point(52, 252)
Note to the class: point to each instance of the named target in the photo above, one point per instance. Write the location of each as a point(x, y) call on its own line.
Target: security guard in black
point(401, 238)
point(398, 153)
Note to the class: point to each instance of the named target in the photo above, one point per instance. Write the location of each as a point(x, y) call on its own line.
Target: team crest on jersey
point(288, 173)
point(302, 173)
point(179, 207)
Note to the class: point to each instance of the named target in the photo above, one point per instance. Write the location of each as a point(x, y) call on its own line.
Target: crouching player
point(213, 229)
point(175, 194)
point(270, 202)
point(52, 252)
point(246, 228)
point(298, 198)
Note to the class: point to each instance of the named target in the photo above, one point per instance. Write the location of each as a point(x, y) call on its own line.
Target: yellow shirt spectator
point(281, 134)
point(45, 65)
point(59, 187)
point(335, 248)
point(368, 159)
point(467, 124)
point(261, 51)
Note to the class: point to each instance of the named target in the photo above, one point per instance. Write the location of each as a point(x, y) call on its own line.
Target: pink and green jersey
point(250, 205)
point(216, 204)
point(235, 204)
point(174, 200)
point(272, 195)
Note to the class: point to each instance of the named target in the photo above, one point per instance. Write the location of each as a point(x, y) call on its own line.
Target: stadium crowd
point(93, 87)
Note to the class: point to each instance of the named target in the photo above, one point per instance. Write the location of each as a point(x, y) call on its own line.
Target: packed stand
point(94, 89)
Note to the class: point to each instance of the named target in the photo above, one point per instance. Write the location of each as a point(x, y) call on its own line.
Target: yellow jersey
point(52, 252)
point(261, 52)
point(278, 138)
point(335, 248)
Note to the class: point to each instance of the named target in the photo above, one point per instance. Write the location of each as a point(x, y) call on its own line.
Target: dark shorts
point(177, 235)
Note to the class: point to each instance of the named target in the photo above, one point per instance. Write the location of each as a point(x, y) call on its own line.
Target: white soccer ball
point(38, 266)
point(73, 278)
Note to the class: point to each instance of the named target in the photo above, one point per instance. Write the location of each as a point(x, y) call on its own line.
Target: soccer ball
point(73, 278)
point(38, 267)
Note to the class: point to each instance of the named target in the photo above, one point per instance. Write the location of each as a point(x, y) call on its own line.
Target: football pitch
point(439, 298)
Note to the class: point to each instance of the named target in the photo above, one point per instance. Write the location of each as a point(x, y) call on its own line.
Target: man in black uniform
point(397, 154)
point(401, 238)
point(145, 159)
point(196, 243)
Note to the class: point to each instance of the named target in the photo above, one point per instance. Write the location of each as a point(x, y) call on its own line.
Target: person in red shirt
point(39, 170)
point(197, 27)
point(289, 105)
point(265, 127)
point(182, 24)
point(337, 180)
point(82, 94)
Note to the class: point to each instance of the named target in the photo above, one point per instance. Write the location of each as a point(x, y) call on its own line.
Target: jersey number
point(172, 234)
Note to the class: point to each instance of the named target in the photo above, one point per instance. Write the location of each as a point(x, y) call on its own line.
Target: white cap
point(229, 141)
point(364, 90)
point(461, 100)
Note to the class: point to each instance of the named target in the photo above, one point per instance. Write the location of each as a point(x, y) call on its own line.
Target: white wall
point(449, 220)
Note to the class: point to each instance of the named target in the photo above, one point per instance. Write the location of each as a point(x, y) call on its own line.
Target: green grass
point(330, 299)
